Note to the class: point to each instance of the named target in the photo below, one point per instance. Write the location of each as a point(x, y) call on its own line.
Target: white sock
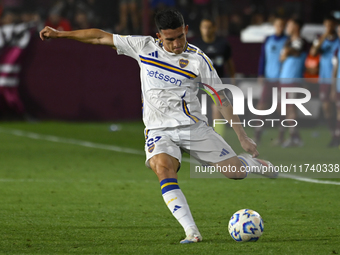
point(177, 204)
point(247, 163)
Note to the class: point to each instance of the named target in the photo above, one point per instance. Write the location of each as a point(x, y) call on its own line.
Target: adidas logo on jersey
point(224, 152)
point(176, 208)
point(154, 54)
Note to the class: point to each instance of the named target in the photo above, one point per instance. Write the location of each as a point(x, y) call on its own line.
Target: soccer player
point(171, 111)
point(219, 51)
point(326, 46)
point(270, 67)
point(293, 57)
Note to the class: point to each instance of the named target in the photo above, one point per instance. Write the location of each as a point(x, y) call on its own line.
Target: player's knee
point(163, 167)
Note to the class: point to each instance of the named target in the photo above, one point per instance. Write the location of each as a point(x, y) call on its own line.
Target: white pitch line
point(88, 144)
point(57, 139)
point(304, 179)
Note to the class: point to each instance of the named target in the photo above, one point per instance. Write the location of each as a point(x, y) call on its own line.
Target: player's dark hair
point(279, 17)
point(330, 17)
point(210, 19)
point(168, 19)
point(298, 21)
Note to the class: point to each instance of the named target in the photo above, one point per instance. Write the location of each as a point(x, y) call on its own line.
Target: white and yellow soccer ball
point(246, 226)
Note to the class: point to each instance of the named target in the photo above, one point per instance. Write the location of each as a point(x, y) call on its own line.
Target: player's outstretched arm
point(226, 110)
point(92, 36)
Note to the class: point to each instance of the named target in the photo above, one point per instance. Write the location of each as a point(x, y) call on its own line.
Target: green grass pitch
point(59, 198)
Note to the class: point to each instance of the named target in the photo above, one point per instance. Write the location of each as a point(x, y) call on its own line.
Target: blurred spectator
point(14, 38)
point(95, 12)
point(335, 94)
point(257, 19)
point(293, 58)
point(81, 20)
point(68, 8)
point(56, 21)
point(326, 46)
point(312, 68)
point(271, 18)
point(128, 8)
point(222, 10)
point(32, 18)
point(199, 10)
point(269, 69)
point(216, 48)
point(236, 24)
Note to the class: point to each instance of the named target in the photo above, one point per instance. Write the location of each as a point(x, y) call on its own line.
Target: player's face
point(207, 28)
point(329, 25)
point(279, 26)
point(174, 39)
point(291, 26)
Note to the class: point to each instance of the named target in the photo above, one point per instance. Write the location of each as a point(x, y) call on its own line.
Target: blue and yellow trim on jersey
point(167, 67)
point(187, 112)
point(192, 49)
point(159, 42)
point(146, 134)
point(169, 184)
point(142, 103)
point(206, 59)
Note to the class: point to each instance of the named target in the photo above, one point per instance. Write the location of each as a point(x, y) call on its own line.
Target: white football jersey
point(170, 82)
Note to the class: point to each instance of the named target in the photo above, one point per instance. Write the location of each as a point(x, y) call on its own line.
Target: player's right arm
point(226, 109)
point(92, 36)
point(209, 77)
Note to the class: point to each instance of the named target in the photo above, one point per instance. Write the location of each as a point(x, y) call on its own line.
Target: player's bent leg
point(258, 166)
point(165, 167)
point(234, 168)
point(239, 167)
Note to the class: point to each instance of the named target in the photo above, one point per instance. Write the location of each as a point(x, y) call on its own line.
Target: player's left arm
point(226, 110)
point(92, 36)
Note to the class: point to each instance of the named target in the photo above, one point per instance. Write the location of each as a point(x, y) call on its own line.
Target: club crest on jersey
point(183, 63)
point(151, 148)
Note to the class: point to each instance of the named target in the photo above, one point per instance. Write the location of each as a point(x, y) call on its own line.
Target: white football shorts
point(199, 140)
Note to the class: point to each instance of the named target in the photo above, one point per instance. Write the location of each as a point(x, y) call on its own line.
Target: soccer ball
point(246, 226)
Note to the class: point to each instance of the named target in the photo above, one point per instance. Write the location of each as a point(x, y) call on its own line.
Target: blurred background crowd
point(129, 16)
